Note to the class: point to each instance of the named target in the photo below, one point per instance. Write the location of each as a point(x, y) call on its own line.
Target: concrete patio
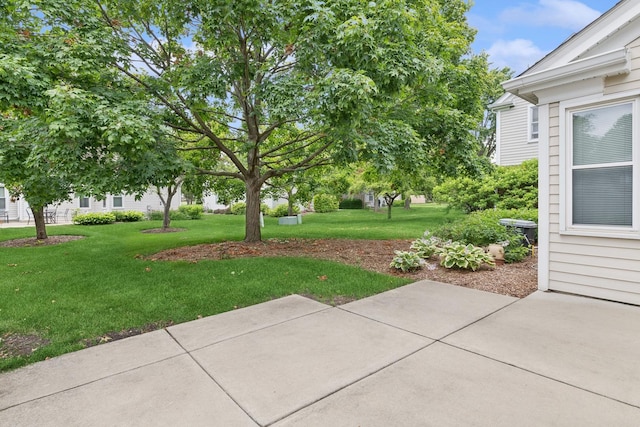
point(424, 354)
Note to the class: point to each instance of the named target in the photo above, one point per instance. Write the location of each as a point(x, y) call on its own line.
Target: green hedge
point(94, 218)
point(350, 204)
point(128, 216)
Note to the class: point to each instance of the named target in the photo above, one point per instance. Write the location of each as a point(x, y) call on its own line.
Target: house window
point(602, 166)
point(533, 124)
point(117, 201)
point(3, 200)
point(84, 201)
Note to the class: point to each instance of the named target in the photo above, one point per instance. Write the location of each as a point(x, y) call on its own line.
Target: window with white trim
point(534, 124)
point(602, 166)
point(117, 201)
point(3, 200)
point(84, 202)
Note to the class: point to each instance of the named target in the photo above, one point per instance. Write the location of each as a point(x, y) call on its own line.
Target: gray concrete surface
point(424, 354)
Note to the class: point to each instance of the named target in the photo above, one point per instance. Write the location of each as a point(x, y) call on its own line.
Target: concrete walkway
point(427, 354)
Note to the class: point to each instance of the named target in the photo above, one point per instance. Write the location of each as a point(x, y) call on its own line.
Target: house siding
point(514, 145)
point(600, 267)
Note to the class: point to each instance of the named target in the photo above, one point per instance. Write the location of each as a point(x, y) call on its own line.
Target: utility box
point(524, 227)
point(289, 220)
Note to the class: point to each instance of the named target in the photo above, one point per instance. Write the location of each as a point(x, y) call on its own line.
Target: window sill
point(605, 234)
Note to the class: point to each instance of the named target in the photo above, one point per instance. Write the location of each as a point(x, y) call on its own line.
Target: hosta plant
point(406, 261)
point(465, 257)
point(426, 246)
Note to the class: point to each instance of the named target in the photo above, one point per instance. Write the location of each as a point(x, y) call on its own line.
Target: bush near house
point(94, 218)
point(192, 211)
point(239, 208)
point(128, 216)
point(325, 203)
point(507, 187)
point(483, 228)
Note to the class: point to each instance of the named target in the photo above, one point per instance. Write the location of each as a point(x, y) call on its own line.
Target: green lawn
point(85, 288)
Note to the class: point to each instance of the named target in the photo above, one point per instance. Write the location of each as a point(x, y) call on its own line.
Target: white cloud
point(569, 14)
point(518, 54)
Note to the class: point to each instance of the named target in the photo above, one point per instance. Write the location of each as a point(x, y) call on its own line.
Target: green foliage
point(482, 228)
point(325, 203)
point(406, 261)
point(427, 246)
point(192, 211)
point(283, 210)
point(239, 208)
point(156, 215)
point(506, 187)
point(94, 218)
point(465, 257)
point(265, 209)
point(350, 204)
point(128, 216)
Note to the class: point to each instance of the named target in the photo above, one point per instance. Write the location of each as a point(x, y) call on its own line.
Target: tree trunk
point(166, 218)
point(407, 203)
point(376, 202)
point(389, 199)
point(38, 219)
point(252, 216)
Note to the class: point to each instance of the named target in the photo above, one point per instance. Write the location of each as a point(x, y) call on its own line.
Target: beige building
point(587, 94)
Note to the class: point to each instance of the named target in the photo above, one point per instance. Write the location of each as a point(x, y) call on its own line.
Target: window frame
point(113, 201)
point(80, 198)
point(531, 122)
point(567, 109)
point(3, 198)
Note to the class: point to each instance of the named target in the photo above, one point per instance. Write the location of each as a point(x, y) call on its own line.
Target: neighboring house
point(17, 209)
point(517, 130)
point(588, 96)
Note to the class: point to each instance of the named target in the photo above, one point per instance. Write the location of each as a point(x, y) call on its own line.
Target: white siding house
point(18, 209)
point(588, 96)
point(517, 130)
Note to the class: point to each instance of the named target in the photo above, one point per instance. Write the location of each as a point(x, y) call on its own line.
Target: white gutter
point(606, 64)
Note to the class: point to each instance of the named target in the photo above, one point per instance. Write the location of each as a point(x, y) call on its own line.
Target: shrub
point(264, 208)
point(192, 211)
point(283, 210)
point(178, 215)
point(466, 257)
point(94, 218)
point(406, 261)
point(128, 216)
point(350, 204)
point(156, 215)
point(325, 203)
point(483, 228)
point(426, 246)
point(506, 187)
point(239, 208)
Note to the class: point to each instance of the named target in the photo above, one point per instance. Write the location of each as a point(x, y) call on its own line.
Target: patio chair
point(4, 214)
point(64, 215)
point(29, 217)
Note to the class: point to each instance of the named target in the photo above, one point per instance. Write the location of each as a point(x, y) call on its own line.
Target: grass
point(86, 288)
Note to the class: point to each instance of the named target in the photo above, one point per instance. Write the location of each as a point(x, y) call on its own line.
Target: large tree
point(236, 72)
point(69, 122)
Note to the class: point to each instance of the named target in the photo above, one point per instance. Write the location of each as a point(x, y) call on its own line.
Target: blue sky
point(518, 33)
